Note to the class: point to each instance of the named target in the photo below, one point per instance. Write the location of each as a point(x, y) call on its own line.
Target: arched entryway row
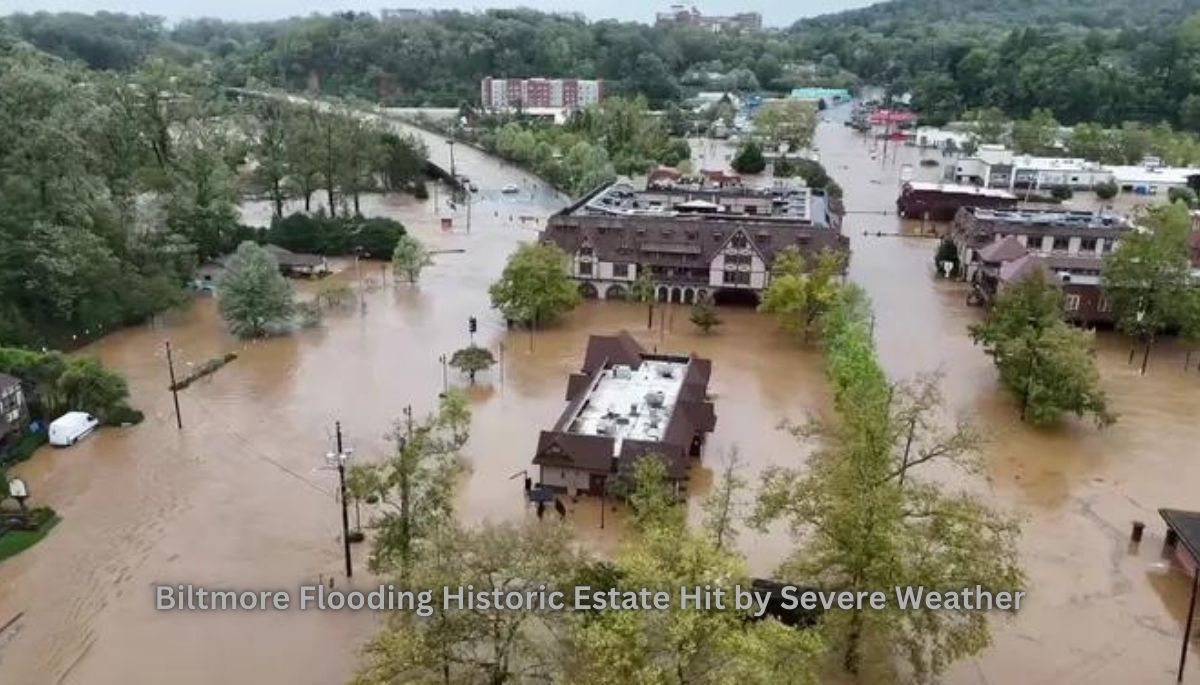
point(615, 292)
point(588, 291)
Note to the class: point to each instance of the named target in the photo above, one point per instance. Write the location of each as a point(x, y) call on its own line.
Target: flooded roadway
point(239, 498)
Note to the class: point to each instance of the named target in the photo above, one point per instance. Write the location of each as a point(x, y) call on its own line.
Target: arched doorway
point(689, 296)
point(736, 296)
point(588, 291)
point(676, 295)
point(615, 292)
point(662, 294)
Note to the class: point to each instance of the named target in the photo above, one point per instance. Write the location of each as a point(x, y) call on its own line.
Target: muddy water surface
point(240, 498)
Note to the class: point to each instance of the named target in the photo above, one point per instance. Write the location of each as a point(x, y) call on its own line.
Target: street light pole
point(174, 387)
point(341, 457)
point(450, 142)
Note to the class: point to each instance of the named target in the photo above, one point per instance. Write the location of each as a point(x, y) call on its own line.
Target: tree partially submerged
point(677, 645)
point(799, 298)
point(1148, 278)
point(472, 359)
point(410, 258)
point(535, 287)
point(704, 315)
point(415, 486)
point(642, 291)
point(863, 522)
point(254, 298)
point(1046, 363)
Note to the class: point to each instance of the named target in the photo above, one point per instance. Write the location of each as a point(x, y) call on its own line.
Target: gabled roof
point(285, 257)
point(611, 349)
point(1022, 268)
point(1003, 251)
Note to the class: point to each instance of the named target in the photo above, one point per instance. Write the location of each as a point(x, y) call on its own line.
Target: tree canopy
point(1044, 361)
point(535, 287)
point(253, 297)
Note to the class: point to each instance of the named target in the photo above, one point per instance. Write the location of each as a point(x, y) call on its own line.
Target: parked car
point(71, 427)
point(510, 189)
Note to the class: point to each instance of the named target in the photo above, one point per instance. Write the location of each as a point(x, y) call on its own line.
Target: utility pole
point(450, 142)
point(501, 364)
point(341, 457)
point(445, 385)
point(174, 387)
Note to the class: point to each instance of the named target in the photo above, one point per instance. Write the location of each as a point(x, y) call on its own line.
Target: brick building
point(539, 93)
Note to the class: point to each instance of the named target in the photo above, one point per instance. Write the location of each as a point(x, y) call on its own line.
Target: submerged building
point(623, 405)
point(694, 241)
point(997, 247)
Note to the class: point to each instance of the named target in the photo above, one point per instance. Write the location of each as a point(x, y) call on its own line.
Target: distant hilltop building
point(540, 93)
point(681, 15)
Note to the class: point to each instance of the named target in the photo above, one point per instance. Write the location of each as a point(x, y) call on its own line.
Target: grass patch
point(14, 542)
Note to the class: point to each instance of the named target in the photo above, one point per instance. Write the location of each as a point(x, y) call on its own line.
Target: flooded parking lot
point(240, 498)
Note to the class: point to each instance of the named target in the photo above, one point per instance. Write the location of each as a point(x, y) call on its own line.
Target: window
point(1109, 244)
point(1071, 303)
point(1087, 245)
point(734, 260)
point(620, 270)
point(1104, 305)
point(585, 268)
point(586, 252)
point(1061, 244)
point(737, 278)
point(739, 242)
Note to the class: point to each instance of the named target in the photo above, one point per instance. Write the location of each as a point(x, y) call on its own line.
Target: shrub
point(1185, 195)
point(124, 415)
point(1107, 190)
point(749, 159)
point(24, 447)
point(1061, 193)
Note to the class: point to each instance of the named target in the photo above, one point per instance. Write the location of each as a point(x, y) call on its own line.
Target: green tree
point(988, 124)
point(449, 644)
point(749, 159)
point(1148, 280)
point(409, 258)
point(704, 315)
point(1106, 190)
point(471, 360)
point(788, 121)
point(415, 486)
point(677, 645)
point(254, 298)
point(269, 133)
point(535, 287)
point(642, 291)
point(1036, 135)
point(1046, 363)
point(862, 521)
point(797, 298)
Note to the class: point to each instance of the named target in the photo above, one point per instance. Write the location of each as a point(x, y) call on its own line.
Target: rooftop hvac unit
point(655, 399)
point(622, 372)
point(666, 372)
point(604, 428)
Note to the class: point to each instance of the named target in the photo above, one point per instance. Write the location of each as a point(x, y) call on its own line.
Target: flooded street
point(241, 499)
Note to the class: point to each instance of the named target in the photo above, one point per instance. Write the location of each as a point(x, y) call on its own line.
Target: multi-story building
point(13, 412)
point(539, 93)
point(681, 15)
point(1000, 246)
point(625, 404)
point(694, 243)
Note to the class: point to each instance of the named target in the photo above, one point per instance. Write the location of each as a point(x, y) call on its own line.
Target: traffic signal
point(472, 325)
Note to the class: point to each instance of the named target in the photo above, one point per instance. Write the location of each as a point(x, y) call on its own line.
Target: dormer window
point(587, 252)
point(739, 242)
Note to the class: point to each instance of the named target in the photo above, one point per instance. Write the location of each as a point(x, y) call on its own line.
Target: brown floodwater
point(240, 497)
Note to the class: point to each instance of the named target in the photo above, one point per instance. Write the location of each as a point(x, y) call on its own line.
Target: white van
point(71, 427)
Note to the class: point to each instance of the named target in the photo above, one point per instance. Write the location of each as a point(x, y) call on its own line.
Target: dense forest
point(116, 185)
point(1100, 60)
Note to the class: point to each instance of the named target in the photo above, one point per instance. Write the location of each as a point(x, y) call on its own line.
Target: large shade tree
point(253, 297)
